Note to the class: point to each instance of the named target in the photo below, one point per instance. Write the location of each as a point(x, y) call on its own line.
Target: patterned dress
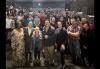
point(18, 48)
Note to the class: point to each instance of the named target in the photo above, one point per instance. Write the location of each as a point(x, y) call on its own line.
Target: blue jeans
point(74, 47)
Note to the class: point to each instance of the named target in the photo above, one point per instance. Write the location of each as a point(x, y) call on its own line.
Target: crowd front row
point(26, 41)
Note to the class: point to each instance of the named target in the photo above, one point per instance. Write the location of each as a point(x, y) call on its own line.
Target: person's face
point(78, 19)
point(30, 25)
point(37, 29)
point(47, 24)
point(84, 20)
point(53, 19)
point(61, 19)
point(59, 24)
point(19, 24)
point(57, 15)
point(85, 26)
point(64, 14)
point(74, 23)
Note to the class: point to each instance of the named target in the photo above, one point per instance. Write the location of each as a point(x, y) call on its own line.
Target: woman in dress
point(17, 44)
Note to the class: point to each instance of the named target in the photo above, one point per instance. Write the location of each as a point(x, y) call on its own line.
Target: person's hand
point(62, 47)
point(84, 47)
point(55, 50)
point(43, 50)
point(46, 36)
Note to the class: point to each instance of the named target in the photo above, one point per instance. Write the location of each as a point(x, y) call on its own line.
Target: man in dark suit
point(28, 32)
point(49, 40)
point(61, 39)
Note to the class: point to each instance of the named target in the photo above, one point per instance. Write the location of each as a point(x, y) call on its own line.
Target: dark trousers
point(62, 53)
point(74, 47)
point(84, 54)
point(91, 57)
point(36, 53)
point(28, 56)
point(62, 57)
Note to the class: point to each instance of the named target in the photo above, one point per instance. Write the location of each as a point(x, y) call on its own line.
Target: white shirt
point(29, 31)
point(8, 23)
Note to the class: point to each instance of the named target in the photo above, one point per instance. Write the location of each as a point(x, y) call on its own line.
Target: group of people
point(48, 33)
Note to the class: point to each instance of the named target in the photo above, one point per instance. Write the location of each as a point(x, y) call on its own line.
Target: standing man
point(61, 39)
point(73, 32)
point(49, 40)
point(28, 32)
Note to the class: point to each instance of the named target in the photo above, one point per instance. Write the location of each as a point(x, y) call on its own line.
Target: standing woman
point(62, 21)
point(37, 37)
point(17, 44)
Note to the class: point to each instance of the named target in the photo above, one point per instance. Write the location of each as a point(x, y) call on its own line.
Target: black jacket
point(28, 40)
point(61, 37)
point(87, 38)
point(51, 36)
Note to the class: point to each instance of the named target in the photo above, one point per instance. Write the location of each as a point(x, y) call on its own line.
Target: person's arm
point(76, 34)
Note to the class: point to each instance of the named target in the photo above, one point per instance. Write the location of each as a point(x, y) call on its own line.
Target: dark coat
point(51, 36)
point(61, 37)
point(87, 39)
point(28, 40)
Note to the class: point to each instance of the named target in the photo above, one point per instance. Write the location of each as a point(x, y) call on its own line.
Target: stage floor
point(68, 64)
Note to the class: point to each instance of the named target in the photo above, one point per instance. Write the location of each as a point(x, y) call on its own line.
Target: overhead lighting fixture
point(39, 4)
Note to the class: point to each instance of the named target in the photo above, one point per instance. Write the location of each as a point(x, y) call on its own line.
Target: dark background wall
point(86, 6)
point(42, 4)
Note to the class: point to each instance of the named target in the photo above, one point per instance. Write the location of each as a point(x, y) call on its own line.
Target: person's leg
point(62, 57)
point(83, 55)
point(71, 48)
point(46, 54)
point(77, 51)
point(26, 55)
point(51, 54)
point(38, 54)
point(35, 53)
point(30, 57)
